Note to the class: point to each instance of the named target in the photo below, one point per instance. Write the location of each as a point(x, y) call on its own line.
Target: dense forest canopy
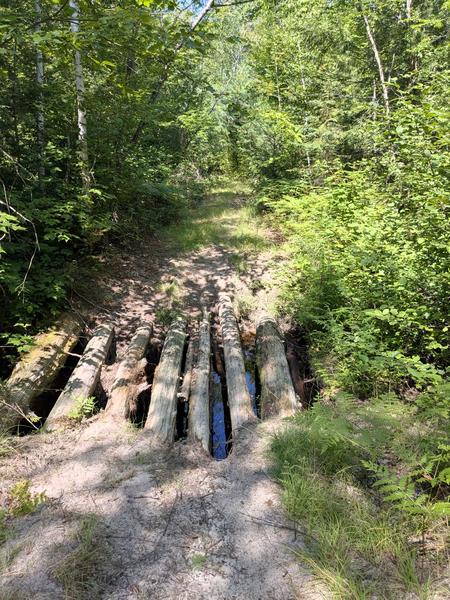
point(113, 112)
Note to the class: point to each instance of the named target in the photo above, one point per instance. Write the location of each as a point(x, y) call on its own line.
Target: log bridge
point(184, 375)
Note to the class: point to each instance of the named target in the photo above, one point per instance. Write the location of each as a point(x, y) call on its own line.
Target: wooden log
point(199, 409)
point(37, 369)
point(239, 400)
point(124, 389)
point(163, 402)
point(85, 377)
point(187, 377)
point(277, 391)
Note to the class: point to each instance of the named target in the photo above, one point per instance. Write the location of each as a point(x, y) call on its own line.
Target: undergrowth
point(20, 501)
point(369, 482)
point(79, 572)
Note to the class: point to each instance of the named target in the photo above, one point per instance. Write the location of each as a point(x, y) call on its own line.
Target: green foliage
point(140, 74)
point(198, 561)
point(83, 408)
point(20, 501)
point(342, 461)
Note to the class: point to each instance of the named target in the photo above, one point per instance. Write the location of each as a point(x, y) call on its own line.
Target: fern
point(84, 407)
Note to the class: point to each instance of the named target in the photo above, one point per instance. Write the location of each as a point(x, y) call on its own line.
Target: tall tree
point(83, 152)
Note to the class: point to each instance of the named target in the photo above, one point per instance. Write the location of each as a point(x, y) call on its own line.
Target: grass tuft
point(358, 540)
point(80, 571)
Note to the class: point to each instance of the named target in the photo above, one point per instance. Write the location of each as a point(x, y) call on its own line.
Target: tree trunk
point(277, 391)
point(83, 153)
point(408, 9)
point(163, 402)
point(37, 369)
point(166, 72)
point(124, 389)
point(239, 399)
point(40, 121)
point(84, 379)
point(187, 378)
point(377, 56)
point(199, 410)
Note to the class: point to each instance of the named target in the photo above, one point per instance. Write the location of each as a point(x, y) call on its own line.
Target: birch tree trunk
point(166, 71)
point(384, 87)
point(83, 153)
point(408, 8)
point(40, 122)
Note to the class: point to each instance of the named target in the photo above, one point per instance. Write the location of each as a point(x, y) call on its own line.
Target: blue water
point(218, 434)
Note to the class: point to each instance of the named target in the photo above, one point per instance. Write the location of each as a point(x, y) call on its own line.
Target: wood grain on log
point(199, 406)
point(239, 400)
point(37, 369)
point(277, 391)
point(185, 389)
point(124, 389)
point(85, 377)
point(163, 402)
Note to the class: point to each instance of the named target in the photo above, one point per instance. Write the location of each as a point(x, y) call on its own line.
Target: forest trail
point(124, 519)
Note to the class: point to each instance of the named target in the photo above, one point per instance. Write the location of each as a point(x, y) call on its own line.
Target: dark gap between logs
point(142, 403)
point(306, 385)
point(181, 423)
point(221, 432)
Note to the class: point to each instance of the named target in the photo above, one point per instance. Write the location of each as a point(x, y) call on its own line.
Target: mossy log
point(37, 369)
point(239, 400)
point(277, 391)
point(199, 409)
point(85, 377)
point(125, 387)
point(164, 398)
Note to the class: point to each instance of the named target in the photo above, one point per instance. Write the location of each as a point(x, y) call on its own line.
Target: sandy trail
point(125, 519)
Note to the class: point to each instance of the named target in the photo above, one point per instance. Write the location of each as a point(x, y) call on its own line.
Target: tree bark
point(277, 391)
point(37, 369)
point(163, 402)
point(199, 409)
point(124, 389)
point(384, 87)
point(85, 377)
point(409, 8)
point(239, 400)
point(40, 120)
point(185, 390)
point(83, 153)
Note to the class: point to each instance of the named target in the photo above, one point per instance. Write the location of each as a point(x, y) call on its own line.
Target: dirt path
point(125, 519)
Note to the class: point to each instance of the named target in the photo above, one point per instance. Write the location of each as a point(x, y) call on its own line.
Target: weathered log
point(185, 389)
point(277, 391)
point(163, 401)
point(85, 377)
point(239, 400)
point(199, 410)
point(37, 369)
point(124, 389)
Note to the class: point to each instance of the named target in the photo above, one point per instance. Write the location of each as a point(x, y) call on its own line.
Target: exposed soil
point(169, 523)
